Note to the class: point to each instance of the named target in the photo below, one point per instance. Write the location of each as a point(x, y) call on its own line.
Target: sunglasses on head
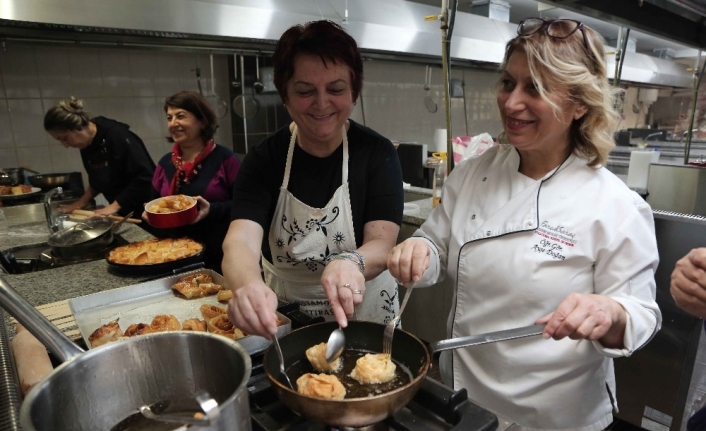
point(554, 28)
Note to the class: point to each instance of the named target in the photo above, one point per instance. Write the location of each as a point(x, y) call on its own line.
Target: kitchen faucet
point(647, 138)
point(686, 132)
point(51, 222)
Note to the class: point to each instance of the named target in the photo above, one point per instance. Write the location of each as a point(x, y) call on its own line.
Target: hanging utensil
point(198, 79)
point(257, 85)
point(428, 100)
point(218, 104)
point(245, 105)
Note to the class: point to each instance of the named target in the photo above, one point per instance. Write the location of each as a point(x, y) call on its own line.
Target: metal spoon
point(281, 361)
point(336, 343)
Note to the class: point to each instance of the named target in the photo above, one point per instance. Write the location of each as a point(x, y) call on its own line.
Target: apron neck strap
point(290, 156)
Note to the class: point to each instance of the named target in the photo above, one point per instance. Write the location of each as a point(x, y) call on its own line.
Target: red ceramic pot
point(171, 219)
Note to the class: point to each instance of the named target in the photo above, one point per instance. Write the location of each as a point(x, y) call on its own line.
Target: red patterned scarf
point(186, 171)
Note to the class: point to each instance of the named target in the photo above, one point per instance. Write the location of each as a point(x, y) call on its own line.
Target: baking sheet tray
point(139, 303)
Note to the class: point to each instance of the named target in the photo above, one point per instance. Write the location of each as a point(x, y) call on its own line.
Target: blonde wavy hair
point(68, 116)
point(577, 69)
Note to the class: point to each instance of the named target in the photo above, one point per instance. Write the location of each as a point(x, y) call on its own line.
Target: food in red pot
point(171, 211)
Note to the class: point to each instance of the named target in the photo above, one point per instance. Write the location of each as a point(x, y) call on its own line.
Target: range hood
point(381, 27)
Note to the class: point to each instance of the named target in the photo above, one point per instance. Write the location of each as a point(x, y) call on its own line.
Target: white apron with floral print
point(303, 240)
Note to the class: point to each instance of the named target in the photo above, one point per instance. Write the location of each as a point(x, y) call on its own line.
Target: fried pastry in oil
point(374, 368)
point(324, 386)
point(317, 357)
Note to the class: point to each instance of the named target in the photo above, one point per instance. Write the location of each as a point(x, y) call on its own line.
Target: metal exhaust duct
point(386, 27)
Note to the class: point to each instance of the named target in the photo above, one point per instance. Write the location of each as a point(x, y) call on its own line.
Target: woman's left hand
point(587, 317)
point(204, 208)
point(344, 286)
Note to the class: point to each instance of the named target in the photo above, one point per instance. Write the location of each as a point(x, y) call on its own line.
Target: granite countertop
point(57, 284)
point(418, 216)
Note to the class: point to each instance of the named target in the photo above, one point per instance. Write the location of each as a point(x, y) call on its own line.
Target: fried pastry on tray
point(374, 368)
point(324, 386)
point(224, 295)
point(317, 357)
point(109, 332)
point(222, 326)
point(154, 251)
point(209, 311)
point(138, 329)
point(197, 286)
point(165, 322)
point(194, 324)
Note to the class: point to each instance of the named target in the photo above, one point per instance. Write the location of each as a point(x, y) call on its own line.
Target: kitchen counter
point(57, 284)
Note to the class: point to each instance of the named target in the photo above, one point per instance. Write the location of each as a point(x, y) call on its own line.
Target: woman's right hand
point(252, 309)
point(68, 209)
point(408, 260)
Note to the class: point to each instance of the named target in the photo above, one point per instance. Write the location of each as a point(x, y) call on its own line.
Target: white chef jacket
point(515, 247)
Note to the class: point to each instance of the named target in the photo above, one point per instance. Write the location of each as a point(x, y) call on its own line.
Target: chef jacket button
point(473, 217)
point(487, 233)
point(485, 178)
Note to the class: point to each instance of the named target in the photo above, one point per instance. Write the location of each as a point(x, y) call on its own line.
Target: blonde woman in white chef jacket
point(318, 203)
point(537, 230)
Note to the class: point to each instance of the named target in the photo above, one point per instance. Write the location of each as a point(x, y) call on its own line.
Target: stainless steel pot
point(98, 389)
point(12, 176)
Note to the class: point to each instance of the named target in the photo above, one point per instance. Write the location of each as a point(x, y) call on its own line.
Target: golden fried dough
point(317, 356)
point(165, 322)
point(105, 334)
point(154, 251)
point(323, 386)
point(224, 295)
point(222, 326)
point(197, 286)
point(374, 368)
point(209, 311)
point(194, 324)
point(137, 329)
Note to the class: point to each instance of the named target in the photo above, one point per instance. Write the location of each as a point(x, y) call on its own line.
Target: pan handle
point(45, 331)
point(490, 337)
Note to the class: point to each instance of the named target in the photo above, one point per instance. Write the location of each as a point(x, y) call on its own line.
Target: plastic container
point(439, 178)
point(171, 219)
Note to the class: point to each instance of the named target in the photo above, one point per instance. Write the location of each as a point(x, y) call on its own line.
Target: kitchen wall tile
point(143, 69)
point(168, 74)
point(66, 160)
point(157, 148)
point(86, 80)
point(115, 69)
point(8, 158)
point(120, 109)
point(54, 72)
point(27, 118)
point(6, 139)
point(35, 158)
point(148, 117)
point(19, 71)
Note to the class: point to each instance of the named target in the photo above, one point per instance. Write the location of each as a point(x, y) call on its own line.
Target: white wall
point(128, 85)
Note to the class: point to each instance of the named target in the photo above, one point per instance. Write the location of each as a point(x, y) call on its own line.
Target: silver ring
point(358, 291)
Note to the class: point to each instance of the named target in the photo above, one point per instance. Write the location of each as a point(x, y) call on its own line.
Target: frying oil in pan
point(354, 389)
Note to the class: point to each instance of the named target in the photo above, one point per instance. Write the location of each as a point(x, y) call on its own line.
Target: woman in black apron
point(116, 160)
point(318, 203)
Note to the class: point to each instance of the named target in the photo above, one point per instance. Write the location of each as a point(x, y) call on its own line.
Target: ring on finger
point(357, 291)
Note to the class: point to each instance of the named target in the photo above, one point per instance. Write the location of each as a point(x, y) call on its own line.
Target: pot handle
point(45, 331)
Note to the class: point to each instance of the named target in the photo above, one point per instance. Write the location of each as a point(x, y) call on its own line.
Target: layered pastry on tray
point(154, 251)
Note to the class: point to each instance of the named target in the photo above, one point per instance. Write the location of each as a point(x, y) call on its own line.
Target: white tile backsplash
point(6, 138)
point(54, 73)
point(86, 78)
point(35, 158)
point(8, 158)
point(115, 68)
point(27, 118)
point(19, 72)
